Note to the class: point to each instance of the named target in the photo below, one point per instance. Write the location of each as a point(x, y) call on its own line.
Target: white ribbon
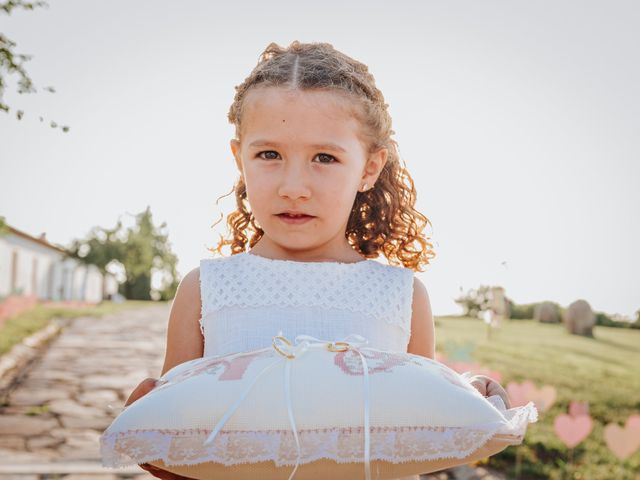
point(301, 344)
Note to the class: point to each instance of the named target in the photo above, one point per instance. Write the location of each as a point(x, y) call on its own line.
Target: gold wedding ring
point(285, 354)
point(334, 346)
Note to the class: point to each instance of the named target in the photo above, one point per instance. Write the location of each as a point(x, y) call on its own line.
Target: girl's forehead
point(327, 98)
point(305, 114)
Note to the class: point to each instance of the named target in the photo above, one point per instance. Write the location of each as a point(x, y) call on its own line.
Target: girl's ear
point(373, 167)
point(235, 149)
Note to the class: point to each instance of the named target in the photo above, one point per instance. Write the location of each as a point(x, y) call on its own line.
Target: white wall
point(31, 256)
point(44, 272)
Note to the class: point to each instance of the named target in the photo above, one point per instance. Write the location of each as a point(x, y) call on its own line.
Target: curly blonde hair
point(383, 218)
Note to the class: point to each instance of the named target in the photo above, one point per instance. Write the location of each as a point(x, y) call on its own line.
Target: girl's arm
point(184, 338)
point(184, 342)
point(423, 339)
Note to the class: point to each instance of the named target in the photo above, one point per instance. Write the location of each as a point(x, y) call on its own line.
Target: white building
point(31, 266)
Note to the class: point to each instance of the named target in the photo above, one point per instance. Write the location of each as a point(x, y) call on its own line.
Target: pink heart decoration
point(572, 430)
point(544, 397)
point(633, 421)
point(578, 408)
point(521, 394)
point(622, 441)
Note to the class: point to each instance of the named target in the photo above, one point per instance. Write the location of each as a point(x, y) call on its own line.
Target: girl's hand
point(488, 387)
point(159, 473)
point(141, 390)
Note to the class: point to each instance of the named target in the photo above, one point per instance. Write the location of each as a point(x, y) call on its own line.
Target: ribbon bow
point(290, 352)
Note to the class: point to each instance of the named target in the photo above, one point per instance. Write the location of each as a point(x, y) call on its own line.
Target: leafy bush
point(521, 312)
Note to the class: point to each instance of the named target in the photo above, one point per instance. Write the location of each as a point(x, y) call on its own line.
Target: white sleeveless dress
point(248, 299)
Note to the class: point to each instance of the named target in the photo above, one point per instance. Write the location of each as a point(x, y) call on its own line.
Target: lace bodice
point(248, 299)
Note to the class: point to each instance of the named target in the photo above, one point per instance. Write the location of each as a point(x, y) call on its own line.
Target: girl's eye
point(331, 158)
point(267, 151)
point(327, 156)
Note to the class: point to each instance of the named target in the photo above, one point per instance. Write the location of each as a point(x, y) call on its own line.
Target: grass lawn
point(603, 371)
point(16, 328)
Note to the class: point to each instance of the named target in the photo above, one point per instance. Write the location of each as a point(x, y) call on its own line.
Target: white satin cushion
point(423, 416)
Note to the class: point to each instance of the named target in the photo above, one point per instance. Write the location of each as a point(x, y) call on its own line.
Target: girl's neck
point(344, 257)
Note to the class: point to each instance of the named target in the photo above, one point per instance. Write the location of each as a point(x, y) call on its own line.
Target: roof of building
point(42, 240)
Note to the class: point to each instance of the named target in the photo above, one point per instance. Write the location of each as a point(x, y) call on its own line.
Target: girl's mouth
point(294, 219)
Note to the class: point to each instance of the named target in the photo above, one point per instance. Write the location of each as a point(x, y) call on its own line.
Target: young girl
point(321, 191)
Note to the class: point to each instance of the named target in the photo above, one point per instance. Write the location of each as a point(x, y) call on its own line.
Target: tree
point(141, 250)
point(4, 228)
point(475, 301)
point(12, 62)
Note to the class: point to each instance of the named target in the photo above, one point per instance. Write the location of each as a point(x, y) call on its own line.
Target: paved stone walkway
point(54, 418)
point(51, 426)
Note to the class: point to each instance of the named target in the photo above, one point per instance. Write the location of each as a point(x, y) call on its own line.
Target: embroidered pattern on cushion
point(234, 368)
point(378, 361)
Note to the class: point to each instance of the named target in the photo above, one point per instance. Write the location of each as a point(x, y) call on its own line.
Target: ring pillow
point(310, 409)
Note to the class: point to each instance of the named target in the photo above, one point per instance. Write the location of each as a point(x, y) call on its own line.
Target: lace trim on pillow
point(203, 307)
point(343, 445)
point(382, 291)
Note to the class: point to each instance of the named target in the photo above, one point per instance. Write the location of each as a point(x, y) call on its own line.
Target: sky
point(518, 122)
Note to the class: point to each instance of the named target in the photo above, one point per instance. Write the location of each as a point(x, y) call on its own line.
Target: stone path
point(51, 426)
point(54, 418)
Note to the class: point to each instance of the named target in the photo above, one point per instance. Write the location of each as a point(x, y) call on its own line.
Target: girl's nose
point(294, 183)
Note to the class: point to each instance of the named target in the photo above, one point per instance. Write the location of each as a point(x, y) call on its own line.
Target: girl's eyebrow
point(319, 146)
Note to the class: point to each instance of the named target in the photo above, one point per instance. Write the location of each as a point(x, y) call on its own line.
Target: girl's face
point(300, 151)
